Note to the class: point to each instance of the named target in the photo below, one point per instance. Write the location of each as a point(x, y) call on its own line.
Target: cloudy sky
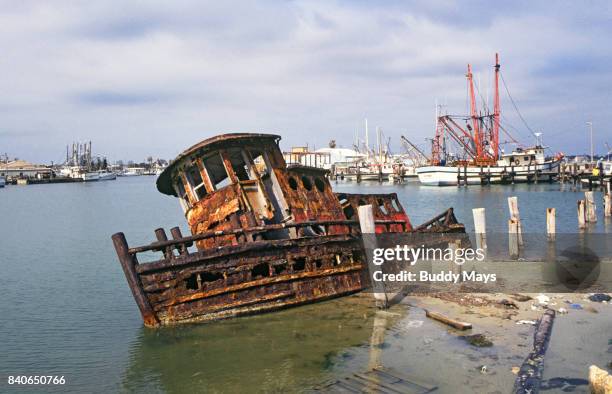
point(151, 78)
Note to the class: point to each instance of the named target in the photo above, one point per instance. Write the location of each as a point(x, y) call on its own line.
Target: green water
point(66, 308)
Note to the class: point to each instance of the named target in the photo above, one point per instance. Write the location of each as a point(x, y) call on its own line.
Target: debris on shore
point(478, 340)
point(447, 320)
point(600, 297)
point(600, 381)
point(530, 374)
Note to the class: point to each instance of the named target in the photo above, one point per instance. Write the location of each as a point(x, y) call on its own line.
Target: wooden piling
point(550, 223)
point(368, 232)
point(480, 227)
point(514, 214)
point(176, 234)
point(591, 215)
point(513, 243)
point(581, 214)
point(128, 263)
point(161, 236)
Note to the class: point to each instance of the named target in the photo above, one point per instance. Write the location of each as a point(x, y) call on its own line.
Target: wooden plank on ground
point(447, 320)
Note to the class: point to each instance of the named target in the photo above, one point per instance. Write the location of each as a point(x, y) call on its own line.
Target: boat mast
point(496, 112)
point(366, 138)
point(474, 115)
point(436, 143)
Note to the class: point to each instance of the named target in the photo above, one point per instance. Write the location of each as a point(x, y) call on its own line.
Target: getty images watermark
point(412, 255)
point(576, 262)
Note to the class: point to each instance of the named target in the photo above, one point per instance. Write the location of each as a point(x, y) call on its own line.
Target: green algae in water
point(478, 340)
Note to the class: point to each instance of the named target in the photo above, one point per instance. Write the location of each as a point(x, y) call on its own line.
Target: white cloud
point(154, 79)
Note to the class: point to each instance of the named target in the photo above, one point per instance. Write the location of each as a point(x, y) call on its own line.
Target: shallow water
point(66, 309)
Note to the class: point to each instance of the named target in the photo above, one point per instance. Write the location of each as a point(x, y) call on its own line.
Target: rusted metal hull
point(246, 279)
point(251, 277)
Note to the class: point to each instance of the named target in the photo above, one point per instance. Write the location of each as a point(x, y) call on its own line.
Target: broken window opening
point(320, 185)
point(210, 276)
point(280, 268)
point(299, 264)
point(381, 206)
point(260, 162)
point(194, 177)
point(293, 183)
point(395, 205)
point(179, 187)
point(239, 165)
point(306, 182)
point(216, 171)
point(349, 212)
point(260, 271)
point(191, 283)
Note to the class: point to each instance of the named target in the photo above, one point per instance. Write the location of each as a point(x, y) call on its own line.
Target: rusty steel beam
point(128, 264)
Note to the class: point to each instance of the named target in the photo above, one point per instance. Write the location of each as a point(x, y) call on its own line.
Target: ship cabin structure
point(241, 181)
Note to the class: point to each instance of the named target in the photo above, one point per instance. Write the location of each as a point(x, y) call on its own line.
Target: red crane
point(481, 143)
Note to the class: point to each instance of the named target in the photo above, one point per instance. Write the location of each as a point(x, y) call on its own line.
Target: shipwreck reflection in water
point(276, 352)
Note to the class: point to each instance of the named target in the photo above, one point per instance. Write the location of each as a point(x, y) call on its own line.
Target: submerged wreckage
point(268, 235)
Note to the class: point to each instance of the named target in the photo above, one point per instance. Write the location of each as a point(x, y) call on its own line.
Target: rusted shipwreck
point(267, 235)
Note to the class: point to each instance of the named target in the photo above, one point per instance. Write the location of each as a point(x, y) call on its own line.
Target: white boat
point(519, 166)
point(106, 175)
point(90, 176)
point(133, 171)
point(2, 181)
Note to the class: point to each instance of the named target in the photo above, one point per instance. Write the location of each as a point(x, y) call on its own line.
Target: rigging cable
point(515, 106)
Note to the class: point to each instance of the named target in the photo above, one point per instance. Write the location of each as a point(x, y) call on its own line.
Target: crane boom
point(415, 148)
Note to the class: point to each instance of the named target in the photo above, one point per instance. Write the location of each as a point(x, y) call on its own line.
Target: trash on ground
point(600, 381)
point(508, 304)
point(543, 299)
point(600, 297)
point(521, 297)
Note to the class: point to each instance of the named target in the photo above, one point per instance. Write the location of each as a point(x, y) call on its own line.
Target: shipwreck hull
point(251, 277)
point(267, 235)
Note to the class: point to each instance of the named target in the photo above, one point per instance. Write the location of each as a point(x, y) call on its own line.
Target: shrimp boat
point(266, 235)
point(483, 161)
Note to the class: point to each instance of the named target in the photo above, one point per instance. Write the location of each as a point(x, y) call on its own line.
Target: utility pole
point(590, 124)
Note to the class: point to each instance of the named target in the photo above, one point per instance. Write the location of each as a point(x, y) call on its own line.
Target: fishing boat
point(90, 176)
point(482, 160)
point(267, 235)
point(104, 175)
point(521, 165)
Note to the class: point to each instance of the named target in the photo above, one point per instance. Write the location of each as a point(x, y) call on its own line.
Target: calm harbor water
point(66, 309)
